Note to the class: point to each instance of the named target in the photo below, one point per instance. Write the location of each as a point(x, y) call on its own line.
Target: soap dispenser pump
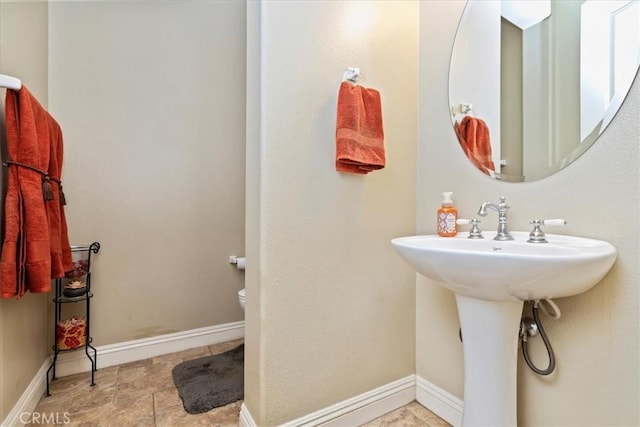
point(447, 217)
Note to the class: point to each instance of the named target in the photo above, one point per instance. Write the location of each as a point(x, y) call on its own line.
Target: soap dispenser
point(447, 216)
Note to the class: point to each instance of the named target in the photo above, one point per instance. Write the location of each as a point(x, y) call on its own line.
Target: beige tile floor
point(143, 394)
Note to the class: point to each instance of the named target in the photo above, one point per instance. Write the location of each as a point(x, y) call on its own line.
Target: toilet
point(240, 263)
point(241, 298)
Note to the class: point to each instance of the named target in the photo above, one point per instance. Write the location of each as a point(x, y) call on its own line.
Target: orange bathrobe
point(36, 247)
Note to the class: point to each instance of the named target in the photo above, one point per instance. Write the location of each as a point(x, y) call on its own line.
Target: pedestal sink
point(491, 280)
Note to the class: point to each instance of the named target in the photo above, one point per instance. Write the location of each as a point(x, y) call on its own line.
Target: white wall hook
point(351, 74)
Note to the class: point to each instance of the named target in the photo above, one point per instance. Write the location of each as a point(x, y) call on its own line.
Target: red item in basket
point(71, 333)
point(80, 268)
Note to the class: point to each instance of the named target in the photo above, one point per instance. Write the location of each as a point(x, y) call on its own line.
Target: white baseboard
point(116, 354)
point(354, 411)
point(29, 399)
point(364, 407)
point(375, 403)
point(443, 404)
point(246, 420)
point(131, 351)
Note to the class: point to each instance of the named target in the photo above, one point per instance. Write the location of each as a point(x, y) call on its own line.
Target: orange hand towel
point(25, 263)
point(359, 131)
point(474, 138)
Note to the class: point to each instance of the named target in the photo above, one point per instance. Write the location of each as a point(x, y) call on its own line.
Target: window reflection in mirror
point(540, 86)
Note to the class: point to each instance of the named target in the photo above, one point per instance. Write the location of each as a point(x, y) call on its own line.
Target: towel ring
point(353, 75)
point(461, 109)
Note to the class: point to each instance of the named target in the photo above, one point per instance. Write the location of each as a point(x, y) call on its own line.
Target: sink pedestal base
point(490, 344)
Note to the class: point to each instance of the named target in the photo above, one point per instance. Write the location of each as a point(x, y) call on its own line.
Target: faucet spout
point(487, 205)
point(502, 207)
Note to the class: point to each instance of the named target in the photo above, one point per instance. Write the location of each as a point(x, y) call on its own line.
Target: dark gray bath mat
point(212, 381)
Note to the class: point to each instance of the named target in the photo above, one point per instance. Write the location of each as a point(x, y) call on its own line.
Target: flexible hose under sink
point(547, 344)
point(550, 308)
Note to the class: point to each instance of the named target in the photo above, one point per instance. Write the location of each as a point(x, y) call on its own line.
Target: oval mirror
point(534, 83)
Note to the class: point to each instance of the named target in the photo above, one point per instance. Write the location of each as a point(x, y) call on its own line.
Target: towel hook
point(352, 74)
point(461, 109)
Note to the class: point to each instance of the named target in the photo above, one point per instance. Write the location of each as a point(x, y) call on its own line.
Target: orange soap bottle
point(447, 216)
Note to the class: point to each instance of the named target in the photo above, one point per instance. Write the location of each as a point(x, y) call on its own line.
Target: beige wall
point(596, 341)
point(24, 324)
point(253, 315)
point(151, 99)
point(333, 305)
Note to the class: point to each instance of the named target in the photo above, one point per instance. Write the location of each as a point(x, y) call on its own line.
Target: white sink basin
point(511, 270)
point(491, 279)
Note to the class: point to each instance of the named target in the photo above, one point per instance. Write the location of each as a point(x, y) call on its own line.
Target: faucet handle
point(552, 222)
point(475, 232)
point(537, 235)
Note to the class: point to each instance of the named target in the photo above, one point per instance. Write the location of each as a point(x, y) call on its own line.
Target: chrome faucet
point(501, 208)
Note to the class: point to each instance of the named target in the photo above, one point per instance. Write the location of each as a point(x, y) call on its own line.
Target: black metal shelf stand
point(59, 300)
